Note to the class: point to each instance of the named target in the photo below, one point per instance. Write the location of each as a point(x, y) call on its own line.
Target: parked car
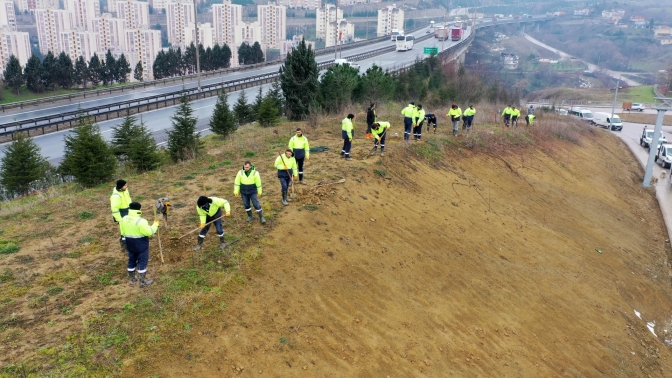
point(636, 106)
point(605, 119)
point(664, 155)
point(646, 138)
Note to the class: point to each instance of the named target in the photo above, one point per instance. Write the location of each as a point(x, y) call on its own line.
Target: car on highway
point(347, 62)
point(646, 138)
point(664, 155)
point(637, 106)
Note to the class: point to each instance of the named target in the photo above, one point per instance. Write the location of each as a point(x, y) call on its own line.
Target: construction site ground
point(512, 253)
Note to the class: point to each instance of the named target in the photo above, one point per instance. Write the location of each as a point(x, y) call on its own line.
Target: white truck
point(605, 120)
point(664, 155)
point(646, 138)
point(395, 34)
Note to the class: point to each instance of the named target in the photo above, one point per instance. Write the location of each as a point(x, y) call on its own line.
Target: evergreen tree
point(159, 66)
point(299, 81)
point(111, 67)
point(217, 61)
point(137, 73)
point(32, 73)
point(143, 152)
point(13, 74)
point(189, 59)
point(256, 54)
point(226, 56)
point(268, 112)
point(276, 94)
point(242, 111)
point(104, 73)
point(223, 122)
point(244, 53)
point(81, 73)
point(87, 156)
point(183, 141)
point(375, 85)
point(49, 71)
point(257, 103)
point(123, 69)
point(94, 70)
point(22, 165)
point(122, 135)
point(65, 71)
point(337, 86)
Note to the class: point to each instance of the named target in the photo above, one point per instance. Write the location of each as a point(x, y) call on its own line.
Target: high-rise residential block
point(50, 24)
point(7, 14)
point(226, 17)
point(13, 43)
point(339, 32)
point(305, 4)
point(144, 45)
point(390, 18)
point(85, 11)
point(110, 31)
point(324, 16)
point(206, 35)
point(76, 43)
point(273, 23)
point(158, 5)
point(134, 13)
point(179, 15)
point(22, 5)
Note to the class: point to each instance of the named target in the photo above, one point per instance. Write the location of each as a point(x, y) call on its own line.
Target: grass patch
point(7, 247)
point(643, 93)
point(84, 215)
point(55, 290)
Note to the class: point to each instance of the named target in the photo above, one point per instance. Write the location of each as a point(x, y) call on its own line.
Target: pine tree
point(111, 67)
point(268, 112)
point(137, 73)
point(257, 104)
point(123, 69)
point(241, 109)
point(122, 135)
point(183, 140)
point(32, 73)
point(143, 153)
point(94, 70)
point(87, 156)
point(244, 53)
point(256, 54)
point(49, 71)
point(375, 85)
point(65, 71)
point(13, 75)
point(299, 81)
point(22, 165)
point(337, 86)
point(159, 66)
point(276, 94)
point(226, 56)
point(81, 73)
point(223, 122)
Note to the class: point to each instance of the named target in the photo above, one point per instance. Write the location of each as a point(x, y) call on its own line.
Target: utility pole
point(198, 60)
point(613, 106)
point(336, 32)
point(653, 147)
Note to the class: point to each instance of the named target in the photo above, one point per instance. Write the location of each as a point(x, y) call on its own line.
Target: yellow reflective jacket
point(247, 183)
point(348, 127)
point(290, 163)
point(418, 116)
point(507, 110)
point(515, 113)
point(119, 200)
point(408, 111)
point(381, 129)
point(137, 231)
point(469, 112)
point(216, 204)
point(455, 114)
point(299, 146)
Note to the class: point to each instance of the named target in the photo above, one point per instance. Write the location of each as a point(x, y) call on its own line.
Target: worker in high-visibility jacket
point(137, 232)
point(119, 202)
point(379, 130)
point(347, 132)
point(248, 185)
point(515, 114)
point(209, 211)
point(506, 113)
point(418, 121)
point(455, 113)
point(469, 116)
point(299, 145)
point(287, 173)
point(408, 112)
point(529, 119)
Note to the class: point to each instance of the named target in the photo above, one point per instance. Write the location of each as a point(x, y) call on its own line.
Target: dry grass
point(649, 119)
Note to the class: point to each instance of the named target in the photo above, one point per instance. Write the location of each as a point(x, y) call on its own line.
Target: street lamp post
point(653, 146)
point(198, 60)
point(613, 105)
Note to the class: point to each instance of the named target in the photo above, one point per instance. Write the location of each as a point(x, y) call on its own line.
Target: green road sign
point(431, 50)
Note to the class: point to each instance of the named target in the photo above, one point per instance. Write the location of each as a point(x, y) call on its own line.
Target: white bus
point(405, 42)
point(396, 33)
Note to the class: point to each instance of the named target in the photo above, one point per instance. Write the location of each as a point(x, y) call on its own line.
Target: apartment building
point(144, 45)
point(324, 16)
point(7, 14)
point(43, 4)
point(78, 42)
point(288, 46)
point(13, 43)
point(134, 13)
point(226, 17)
point(273, 25)
point(50, 24)
point(158, 5)
point(85, 12)
point(390, 18)
point(339, 32)
point(110, 33)
point(179, 15)
point(303, 4)
point(22, 5)
point(206, 35)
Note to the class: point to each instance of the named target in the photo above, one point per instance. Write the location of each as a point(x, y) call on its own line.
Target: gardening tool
point(378, 143)
point(163, 207)
point(159, 236)
point(293, 195)
point(196, 229)
point(331, 183)
point(205, 192)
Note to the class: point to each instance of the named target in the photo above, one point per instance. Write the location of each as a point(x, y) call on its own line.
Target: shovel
point(159, 236)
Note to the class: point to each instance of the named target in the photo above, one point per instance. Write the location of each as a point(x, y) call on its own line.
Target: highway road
point(22, 114)
point(157, 121)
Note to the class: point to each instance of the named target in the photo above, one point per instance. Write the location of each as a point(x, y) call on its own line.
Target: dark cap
point(135, 206)
point(120, 184)
point(202, 201)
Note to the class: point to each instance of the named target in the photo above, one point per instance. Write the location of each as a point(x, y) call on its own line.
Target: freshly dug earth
point(531, 264)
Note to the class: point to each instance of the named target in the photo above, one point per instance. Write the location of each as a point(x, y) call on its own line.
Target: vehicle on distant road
point(637, 106)
point(396, 33)
point(442, 33)
point(456, 33)
point(605, 119)
point(405, 42)
point(646, 138)
point(346, 62)
point(664, 155)
point(584, 114)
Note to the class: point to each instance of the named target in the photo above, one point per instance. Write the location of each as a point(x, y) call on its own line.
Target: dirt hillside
point(443, 262)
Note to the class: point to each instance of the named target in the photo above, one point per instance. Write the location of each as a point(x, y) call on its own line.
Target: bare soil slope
point(526, 265)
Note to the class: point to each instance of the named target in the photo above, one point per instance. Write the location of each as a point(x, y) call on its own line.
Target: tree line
point(175, 63)
point(60, 71)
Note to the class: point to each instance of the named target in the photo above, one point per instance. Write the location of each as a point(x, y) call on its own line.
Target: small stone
point(305, 367)
point(373, 219)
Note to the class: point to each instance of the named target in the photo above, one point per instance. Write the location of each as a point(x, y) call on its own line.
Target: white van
point(603, 119)
point(584, 114)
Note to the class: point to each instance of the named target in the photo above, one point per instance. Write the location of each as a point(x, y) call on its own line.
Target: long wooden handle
point(158, 233)
point(196, 229)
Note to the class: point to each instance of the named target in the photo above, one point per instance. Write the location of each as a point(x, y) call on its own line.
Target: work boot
point(284, 198)
point(222, 243)
point(369, 136)
point(132, 279)
point(374, 152)
point(261, 217)
point(382, 153)
point(454, 132)
point(348, 158)
point(199, 245)
point(250, 218)
point(143, 280)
